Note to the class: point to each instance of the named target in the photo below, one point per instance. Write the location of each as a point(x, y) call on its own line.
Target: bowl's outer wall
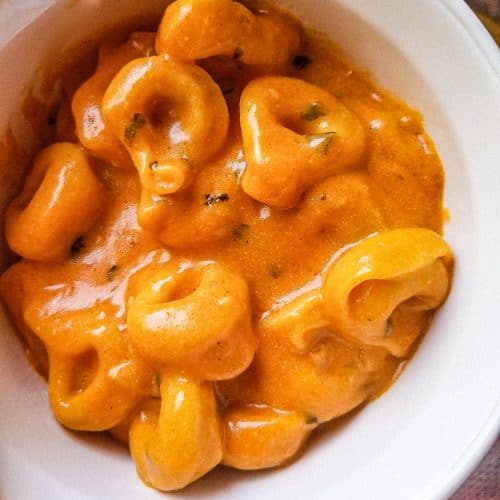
point(422, 437)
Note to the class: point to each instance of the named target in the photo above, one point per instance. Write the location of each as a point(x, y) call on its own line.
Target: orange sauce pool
point(92, 304)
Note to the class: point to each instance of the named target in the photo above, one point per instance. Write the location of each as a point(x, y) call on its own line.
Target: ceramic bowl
point(423, 437)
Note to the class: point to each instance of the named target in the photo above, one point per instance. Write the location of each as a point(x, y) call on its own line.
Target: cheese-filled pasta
point(205, 213)
point(171, 117)
point(295, 134)
point(379, 291)
point(95, 378)
point(60, 201)
point(303, 366)
point(260, 437)
point(239, 242)
point(196, 319)
point(91, 128)
point(198, 29)
point(178, 440)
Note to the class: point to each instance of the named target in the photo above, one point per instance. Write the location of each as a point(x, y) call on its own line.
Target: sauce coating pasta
point(232, 237)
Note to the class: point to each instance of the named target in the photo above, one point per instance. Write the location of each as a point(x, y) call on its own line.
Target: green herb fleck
point(276, 270)
point(301, 61)
point(156, 385)
point(111, 272)
point(311, 419)
point(313, 112)
point(210, 199)
point(238, 52)
point(77, 246)
point(153, 165)
point(240, 231)
point(388, 328)
point(320, 142)
point(138, 121)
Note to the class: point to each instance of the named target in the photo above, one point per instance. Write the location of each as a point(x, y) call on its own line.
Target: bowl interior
point(422, 436)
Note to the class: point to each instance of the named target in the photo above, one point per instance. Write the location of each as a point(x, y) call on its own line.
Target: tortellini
point(171, 117)
point(61, 200)
point(194, 324)
point(260, 437)
point(92, 130)
point(177, 440)
point(198, 29)
point(196, 319)
point(95, 379)
point(205, 213)
point(303, 366)
point(295, 134)
point(379, 290)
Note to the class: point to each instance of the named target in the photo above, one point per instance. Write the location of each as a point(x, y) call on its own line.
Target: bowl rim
point(490, 430)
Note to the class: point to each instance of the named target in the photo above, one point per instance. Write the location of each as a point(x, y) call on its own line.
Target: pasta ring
point(198, 29)
point(91, 128)
point(61, 200)
point(113, 391)
point(95, 379)
point(196, 319)
point(189, 218)
point(176, 442)
point(386, 280)
point(260, 437)
point(171, 117)
point(302, 366)
point(295, 134)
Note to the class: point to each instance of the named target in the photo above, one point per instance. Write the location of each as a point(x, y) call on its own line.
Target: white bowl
point(423, 437)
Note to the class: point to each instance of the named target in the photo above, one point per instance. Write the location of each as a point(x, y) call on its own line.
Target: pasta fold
point(175, 442)
point(95, 379)
point(170, 116)
point(301, 365)
point(198, 29)
point(378, 291)
point(295, 134)
point(260, 437)
point(196, 319)
point(92, 130)
point(61, 200)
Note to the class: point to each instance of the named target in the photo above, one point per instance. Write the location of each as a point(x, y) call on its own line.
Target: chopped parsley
point(313, 112)
point(388, 328)
point(276, 270)
point(156, 385)
point(311, 419)
point(77, 246)
point(320, 142)
point(111, 272)
point(301, 61)
point(210, 199)
point(240, 231)
point(138, 121)
point(238, 53)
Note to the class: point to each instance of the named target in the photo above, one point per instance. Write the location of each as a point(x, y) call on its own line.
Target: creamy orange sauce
point(290, 349)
